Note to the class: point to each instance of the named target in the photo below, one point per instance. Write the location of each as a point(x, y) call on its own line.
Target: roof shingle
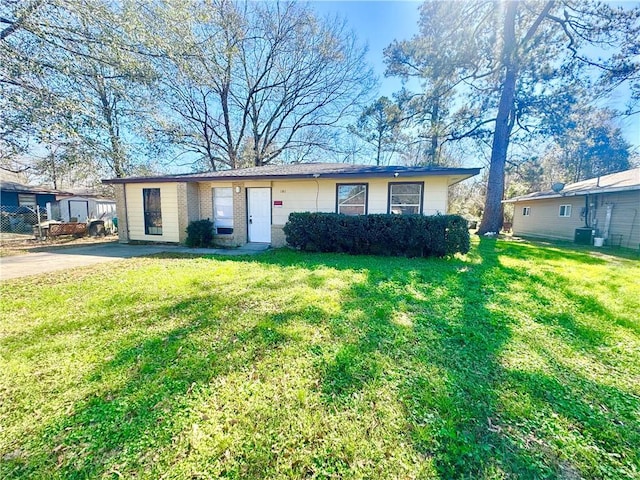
point(615, 182)
point(303, 170)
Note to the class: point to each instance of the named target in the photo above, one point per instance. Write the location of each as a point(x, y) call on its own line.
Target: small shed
point(80, 208)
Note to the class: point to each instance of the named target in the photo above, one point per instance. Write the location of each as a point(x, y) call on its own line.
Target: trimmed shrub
point(199, 234)
point(378, 234)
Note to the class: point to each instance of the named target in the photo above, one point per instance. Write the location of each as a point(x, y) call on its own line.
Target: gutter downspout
point(607, 221)
point(586, 211)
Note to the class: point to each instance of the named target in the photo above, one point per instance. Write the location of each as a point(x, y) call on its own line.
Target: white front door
point(259, 214)
point(78, 209)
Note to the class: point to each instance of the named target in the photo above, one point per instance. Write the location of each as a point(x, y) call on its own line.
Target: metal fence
point(19, 223)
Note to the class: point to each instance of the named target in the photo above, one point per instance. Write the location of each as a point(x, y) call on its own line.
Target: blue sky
point(378, 23)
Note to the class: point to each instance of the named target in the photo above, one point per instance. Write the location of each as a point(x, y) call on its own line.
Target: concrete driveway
point(66, 258)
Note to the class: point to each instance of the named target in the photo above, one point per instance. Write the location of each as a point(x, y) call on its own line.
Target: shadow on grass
point(443, 323)
point(461, 323)
point(153, 377)
point(451, 347)
point(566, 247)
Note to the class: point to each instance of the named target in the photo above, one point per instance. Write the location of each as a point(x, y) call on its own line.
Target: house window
point(152, 211)
point(26, 200)
point(565, 211)
point(405, 198)
point(223, 210)
point(351, 198)
point(526, 211)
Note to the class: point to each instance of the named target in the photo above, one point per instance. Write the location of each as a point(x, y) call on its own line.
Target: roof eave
point(573, 194)
point(30, 191)
point(467, 172)
point(465, 176)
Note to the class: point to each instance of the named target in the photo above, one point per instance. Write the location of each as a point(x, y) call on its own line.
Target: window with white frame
point(565, 211)
point(351, 199)
point(526, 211)
point(223, 210)
point(405, 198)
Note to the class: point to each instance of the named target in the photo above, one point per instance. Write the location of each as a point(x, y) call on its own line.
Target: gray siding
point(544, 220)
point(625, 216)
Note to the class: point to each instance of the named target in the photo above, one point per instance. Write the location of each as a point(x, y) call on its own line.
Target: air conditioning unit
point(583, 236)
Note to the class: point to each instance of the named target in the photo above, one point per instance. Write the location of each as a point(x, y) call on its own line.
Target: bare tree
point(252, 80)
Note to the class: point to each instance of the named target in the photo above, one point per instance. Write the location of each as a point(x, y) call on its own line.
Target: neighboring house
point(82, 207)
point(253, 204)
point(18, 204)
point(13, 194)
point(606, 207)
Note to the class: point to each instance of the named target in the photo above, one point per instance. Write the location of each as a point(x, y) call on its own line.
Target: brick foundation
point(278, 238)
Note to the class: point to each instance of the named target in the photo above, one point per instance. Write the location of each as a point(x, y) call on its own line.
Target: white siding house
point(253, 204)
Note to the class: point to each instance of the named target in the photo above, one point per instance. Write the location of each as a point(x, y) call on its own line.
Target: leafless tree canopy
point(219, 83)
point(256, 79)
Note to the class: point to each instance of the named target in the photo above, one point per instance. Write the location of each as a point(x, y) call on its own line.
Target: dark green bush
point(406, 235)
point(200, 234)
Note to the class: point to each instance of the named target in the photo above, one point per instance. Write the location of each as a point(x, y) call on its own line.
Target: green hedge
point(199, 234)
point(406, 235)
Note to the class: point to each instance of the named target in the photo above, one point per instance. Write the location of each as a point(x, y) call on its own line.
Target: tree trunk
point(224, 103)
point(54, 173)
point(258, 160)
point(435, 114)
point(108, 113)
point(492, 217)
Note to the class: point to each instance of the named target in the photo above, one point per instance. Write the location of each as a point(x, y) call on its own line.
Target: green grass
point(514, 361)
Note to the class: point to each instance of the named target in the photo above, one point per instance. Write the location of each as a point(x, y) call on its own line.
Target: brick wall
point(188, 207)
point(278, 238)
point(206, 201)
point(239, 214)
point(183, 213)
point(239, 235)
point(123, 227)
point(193, 201)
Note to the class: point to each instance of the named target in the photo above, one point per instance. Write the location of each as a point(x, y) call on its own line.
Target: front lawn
point(514, 361)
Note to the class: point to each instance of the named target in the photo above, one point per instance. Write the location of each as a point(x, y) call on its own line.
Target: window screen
point(27, 200)
point(152, 211)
